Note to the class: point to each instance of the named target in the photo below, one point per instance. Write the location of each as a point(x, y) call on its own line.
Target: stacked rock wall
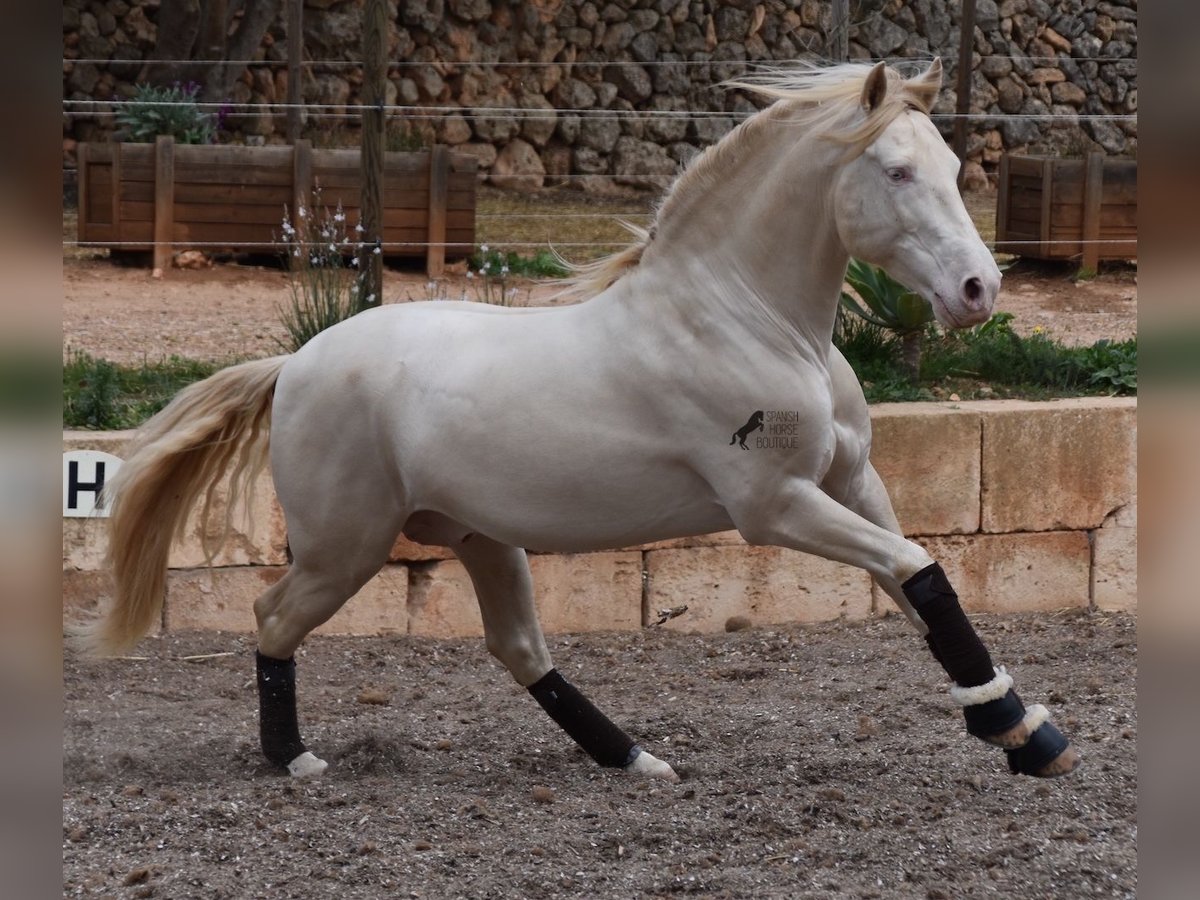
point(1052, 73)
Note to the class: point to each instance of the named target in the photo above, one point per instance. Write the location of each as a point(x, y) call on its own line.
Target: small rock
point(831, 793)
point(367, 848)
point(192, 259)
point(374, 697)
point(79, 832)
point(737, 623)
point(542, 794)
point(137, 876)
point(444, 744)
point(132, 790)
point(867, 729)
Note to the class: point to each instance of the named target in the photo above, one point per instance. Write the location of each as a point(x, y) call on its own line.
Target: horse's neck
point(759, 236)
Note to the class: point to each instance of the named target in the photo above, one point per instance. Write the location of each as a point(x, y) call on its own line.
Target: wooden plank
point(268, 214)
point(164, 200)
point(232, 156)
point(116, 188)
point(83, 173)
point(206, 174)
point(140, 235)
point(439, 190)
point(1047, 200)
point(302, 174)
point(1002, 198)
point(402, 198)
point(214, 193)
point(1093, 186)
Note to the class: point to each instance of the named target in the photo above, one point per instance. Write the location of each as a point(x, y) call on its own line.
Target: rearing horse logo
point(755, 423)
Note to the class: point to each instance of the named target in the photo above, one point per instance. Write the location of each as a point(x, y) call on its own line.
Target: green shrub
point(165, 110)
point(883, 301)
point(102, 395)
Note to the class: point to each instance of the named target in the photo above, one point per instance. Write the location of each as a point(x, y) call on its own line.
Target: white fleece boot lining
point(1035, 717)
point(983, 693)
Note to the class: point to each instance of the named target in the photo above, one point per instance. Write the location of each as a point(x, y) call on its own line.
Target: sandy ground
point(818, 761)
point(122, 314)
point(822, 761)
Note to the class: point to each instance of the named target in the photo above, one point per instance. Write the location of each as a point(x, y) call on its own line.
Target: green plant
point(103, 395)
point(324, 290)
point(166, 110)
point(1112, 365)
point(891, 305)
point(404, 137)
point(543, 264)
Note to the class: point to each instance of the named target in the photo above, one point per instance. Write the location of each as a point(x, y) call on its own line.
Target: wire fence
point(92, 108)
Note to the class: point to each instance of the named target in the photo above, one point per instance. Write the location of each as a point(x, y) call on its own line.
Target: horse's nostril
point(973, 290)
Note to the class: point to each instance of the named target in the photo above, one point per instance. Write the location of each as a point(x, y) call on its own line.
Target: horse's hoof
point(648, 764)
point(1017, 736)
point(306, 766)
point(1063, 764)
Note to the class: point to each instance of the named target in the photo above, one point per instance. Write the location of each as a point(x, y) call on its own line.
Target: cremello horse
point(414, 418)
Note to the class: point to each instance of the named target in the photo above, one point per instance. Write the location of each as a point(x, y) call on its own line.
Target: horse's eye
point(899, 174)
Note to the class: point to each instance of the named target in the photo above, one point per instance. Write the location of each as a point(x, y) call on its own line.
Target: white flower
point(333, 248)
point(504, 270)
point(359, 228)
point(483, 249)
point(470, 274)
point(378, 250)
point(302, 212)
point(370, 299)
point(339, 216)
point(354, 261)
point(431, 285)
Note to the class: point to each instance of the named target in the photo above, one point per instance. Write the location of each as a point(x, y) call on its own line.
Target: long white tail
point(214, 430)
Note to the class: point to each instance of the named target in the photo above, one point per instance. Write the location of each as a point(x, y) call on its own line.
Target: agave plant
point(885, 302)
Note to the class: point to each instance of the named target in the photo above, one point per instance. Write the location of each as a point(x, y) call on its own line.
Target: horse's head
point(897, 203)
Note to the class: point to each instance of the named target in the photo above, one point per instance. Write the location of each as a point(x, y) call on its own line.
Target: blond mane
point(819, 97)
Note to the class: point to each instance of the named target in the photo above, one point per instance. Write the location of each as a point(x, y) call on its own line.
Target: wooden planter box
point(166, 197)
point(1067, 208)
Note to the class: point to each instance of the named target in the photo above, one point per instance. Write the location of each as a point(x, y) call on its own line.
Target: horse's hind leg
point(993, 711)
point(504, 588)
point(328, 568)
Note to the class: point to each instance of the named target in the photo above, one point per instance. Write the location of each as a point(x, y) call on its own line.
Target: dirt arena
point(819, 761)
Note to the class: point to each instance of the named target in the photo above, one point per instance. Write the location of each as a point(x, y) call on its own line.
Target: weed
point(324, 288)
point(99, 394)
point(170, 111)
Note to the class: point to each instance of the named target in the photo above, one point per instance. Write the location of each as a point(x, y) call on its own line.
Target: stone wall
point(1028, 506)
point(1064, 58)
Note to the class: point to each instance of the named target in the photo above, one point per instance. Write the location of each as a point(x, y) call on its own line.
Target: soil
point(817, 761)
point(123, 314)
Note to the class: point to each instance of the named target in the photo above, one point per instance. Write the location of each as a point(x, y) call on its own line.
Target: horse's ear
point(874, 88)
point(925, 86)
point(933, 75)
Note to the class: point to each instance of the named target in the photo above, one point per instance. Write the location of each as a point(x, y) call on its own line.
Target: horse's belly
point(555, 508)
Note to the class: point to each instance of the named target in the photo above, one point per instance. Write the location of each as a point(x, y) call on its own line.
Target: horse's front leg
point(504, 588)
point(803, 517)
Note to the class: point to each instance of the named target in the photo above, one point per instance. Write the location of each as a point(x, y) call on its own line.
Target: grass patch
point(990, 360)
point(101, 395)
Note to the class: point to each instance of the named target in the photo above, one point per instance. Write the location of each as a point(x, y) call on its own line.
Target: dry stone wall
point(558, 62)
